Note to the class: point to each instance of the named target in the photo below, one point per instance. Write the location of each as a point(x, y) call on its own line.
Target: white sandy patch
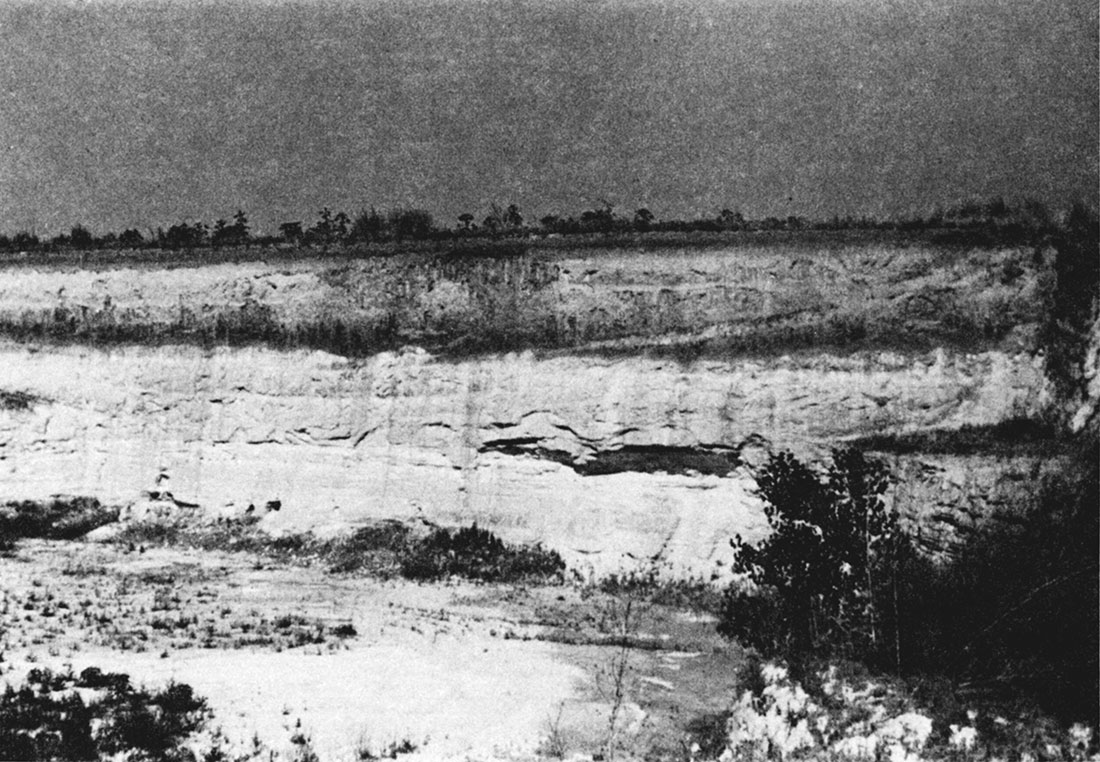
point(451, 697)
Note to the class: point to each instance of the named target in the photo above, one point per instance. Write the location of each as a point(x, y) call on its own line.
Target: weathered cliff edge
point(601, 448)
point(514, 442)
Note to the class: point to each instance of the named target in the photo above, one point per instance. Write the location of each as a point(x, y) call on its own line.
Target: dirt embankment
point(690, 302)
point(624, 430)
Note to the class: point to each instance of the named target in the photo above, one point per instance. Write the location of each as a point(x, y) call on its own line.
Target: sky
point(127, 114)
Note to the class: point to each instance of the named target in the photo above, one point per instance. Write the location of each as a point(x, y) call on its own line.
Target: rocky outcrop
point(607, 460)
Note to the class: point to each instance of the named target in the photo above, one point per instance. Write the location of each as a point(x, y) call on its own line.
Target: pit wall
point(518, 443)
point(755, 299)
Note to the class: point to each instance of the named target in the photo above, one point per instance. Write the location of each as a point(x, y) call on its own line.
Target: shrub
point(384, 549)
point(17, 400)
point(376, 548)
point(821, 582)
point(478, 554)
point(241, 536)
point(149, 533)
point(648, 584)
point(38, 724)
point(1014, 611)
point(394, 749)
point(63, 518)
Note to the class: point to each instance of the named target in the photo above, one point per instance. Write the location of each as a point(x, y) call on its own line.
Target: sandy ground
point(463, 671)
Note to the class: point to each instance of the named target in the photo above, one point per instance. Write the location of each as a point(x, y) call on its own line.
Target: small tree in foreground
point(823, 578)
point(1012, 610)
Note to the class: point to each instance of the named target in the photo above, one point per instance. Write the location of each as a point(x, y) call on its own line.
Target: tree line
point(413, 224)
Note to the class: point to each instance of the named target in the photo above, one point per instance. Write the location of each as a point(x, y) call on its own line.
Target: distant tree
point(340, 226)
point(466, 219)
point(996, 208)
point(240, 224)
point(24, 240)
point(225, 234)
point(290, 231)
point(220, 235)
point(643, 218)
point(550, 221)
point(80, 237)
point(368, 226)
point(512, 217)
point(185, 236)
point(130, 238)
point(731, 220)
point(496, 220)
point(601, 220)
point(322, 231)
point(411, 223)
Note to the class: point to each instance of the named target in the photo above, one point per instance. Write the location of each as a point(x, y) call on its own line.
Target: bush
point(38, 724)
point(822, 582)
point(377, 548)
point(478, 554)
point(385, 549)
point(18, 400)
point(694, 593)
point(1013, 614)
point(63, 518)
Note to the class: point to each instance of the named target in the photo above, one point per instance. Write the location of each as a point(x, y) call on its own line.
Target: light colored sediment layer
point(403, 435)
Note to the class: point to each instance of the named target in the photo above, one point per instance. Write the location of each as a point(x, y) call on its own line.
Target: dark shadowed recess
point(716, 460)
point(1017, 436)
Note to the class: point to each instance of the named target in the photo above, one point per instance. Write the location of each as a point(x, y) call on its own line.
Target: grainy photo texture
point(540, 379)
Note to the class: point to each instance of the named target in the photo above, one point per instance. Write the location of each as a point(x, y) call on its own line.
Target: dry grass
point(225, 622)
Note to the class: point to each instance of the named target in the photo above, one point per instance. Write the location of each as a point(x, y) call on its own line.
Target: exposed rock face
point(595, 446)
point(602, 459)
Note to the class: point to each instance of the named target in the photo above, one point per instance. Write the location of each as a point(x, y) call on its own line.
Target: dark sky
point(140, 114)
